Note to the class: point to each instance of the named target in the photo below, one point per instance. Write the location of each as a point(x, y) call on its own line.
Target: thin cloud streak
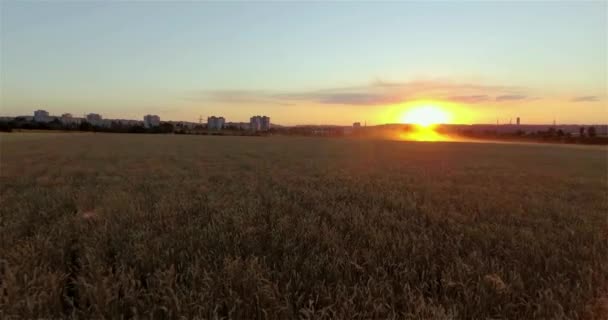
point(585, 99)
point(469, 99)
point(376, 93)
point(240, 97)
point(511, 97)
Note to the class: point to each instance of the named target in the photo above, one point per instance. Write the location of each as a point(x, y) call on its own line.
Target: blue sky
point(304, 62)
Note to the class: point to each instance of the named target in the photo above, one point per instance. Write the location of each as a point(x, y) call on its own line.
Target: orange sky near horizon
point(533, 112)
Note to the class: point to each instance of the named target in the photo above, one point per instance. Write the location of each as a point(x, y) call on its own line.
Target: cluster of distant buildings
point(256, 123)
point(216, 123)
point(259, 123)
point(68, 119)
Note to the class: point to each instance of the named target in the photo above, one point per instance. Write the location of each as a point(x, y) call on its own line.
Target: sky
point(307, 63)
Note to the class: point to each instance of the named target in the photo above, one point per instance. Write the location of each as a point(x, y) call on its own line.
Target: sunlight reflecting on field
point(424, 133)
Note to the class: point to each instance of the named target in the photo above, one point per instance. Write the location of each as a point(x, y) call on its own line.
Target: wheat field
point(175, 226)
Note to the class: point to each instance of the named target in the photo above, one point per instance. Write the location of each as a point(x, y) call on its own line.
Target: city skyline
point(42, 115)
point(319, 63)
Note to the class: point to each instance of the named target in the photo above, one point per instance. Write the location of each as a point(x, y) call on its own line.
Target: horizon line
point(369, 125)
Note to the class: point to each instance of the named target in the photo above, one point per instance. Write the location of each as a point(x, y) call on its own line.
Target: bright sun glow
point(421, 133)
point(425, 116)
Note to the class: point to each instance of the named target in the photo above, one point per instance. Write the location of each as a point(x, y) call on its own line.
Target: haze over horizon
point(306, 63)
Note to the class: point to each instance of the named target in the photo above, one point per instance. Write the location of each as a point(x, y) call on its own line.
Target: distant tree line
point(22, 123)
point(311, 131)
point(114, 126)
point(587, 135)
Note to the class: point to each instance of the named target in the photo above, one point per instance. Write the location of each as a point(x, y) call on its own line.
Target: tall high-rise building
point(41, 116)
point(259, 123)
point(265, 123)
point(255, 123)
point(215, 123)
point(151, 121)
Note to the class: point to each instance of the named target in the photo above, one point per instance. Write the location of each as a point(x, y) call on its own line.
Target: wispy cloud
point(469, 99)
point(349, 96)
point(511, 97)
point(355, 98)
point(241, 97)
point(376, 93)
point(585, 99)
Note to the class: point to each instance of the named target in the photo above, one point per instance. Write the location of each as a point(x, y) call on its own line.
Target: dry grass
point(161, 226)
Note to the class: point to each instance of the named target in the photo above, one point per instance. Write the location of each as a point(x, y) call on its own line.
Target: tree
point(5, 126)
point(591, 132)
point(116, 126)
point(136, 129)
point(56, 124)
point(85, 126)
point(166, 127)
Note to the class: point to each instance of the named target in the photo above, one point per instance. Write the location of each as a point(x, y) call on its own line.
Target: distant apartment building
point(259, 123)
point(265, 123)
point(255, 123)
point(518, 121)
point(151, 121)
point(94, 119)
point(357, 125)
point(215, 123)
point(68, 119)
point(41, 116)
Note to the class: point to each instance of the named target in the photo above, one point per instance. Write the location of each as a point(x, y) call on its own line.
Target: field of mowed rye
point(169, 226)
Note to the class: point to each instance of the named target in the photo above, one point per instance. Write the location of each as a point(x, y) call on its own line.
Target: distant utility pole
point(200, 119)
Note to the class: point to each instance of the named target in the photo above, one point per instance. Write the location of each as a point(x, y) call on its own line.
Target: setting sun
point(426, 116)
